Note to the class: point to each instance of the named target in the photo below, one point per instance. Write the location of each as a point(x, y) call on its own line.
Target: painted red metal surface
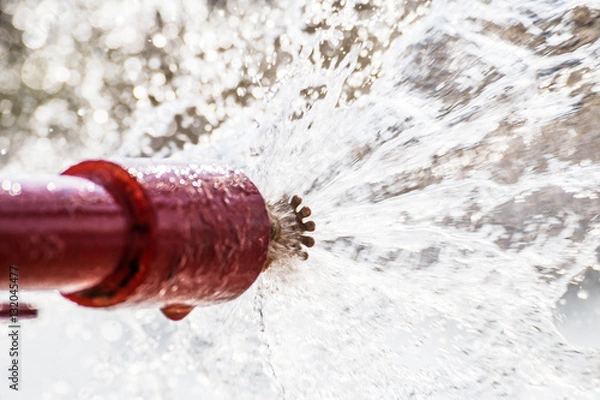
point(146, 234)
point(21, 311)
point(62, 233)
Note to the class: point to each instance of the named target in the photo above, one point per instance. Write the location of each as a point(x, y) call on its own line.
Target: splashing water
point(448, 151)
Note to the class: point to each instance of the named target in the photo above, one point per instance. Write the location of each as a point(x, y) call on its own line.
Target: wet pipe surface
point(185, 235)
point(172, 236)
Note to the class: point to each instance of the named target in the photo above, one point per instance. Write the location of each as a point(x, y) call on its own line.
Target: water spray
point(145, 233)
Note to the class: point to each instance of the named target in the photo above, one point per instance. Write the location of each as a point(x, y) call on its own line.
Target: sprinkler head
point(288, 228)
point(146, 234)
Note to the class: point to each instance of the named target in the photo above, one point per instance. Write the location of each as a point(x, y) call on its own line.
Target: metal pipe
point(142, 234)
point(62, 233)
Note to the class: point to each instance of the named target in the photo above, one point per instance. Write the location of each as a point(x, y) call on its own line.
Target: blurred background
point(449, 151)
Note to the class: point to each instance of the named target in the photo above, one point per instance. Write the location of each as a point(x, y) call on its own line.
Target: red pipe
point(60, 233)
point(20, 311)
point(169, 235)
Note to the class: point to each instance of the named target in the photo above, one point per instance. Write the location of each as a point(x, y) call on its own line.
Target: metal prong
point(295, 202)
point(309, 226)
point(307, 241)
point(304, 212)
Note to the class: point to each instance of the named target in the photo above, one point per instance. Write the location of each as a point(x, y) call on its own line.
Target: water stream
point(449, 153)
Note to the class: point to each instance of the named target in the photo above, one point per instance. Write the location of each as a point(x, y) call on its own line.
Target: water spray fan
point(145, 233)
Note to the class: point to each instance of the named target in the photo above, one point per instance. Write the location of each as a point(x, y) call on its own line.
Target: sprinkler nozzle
point(144, 233)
